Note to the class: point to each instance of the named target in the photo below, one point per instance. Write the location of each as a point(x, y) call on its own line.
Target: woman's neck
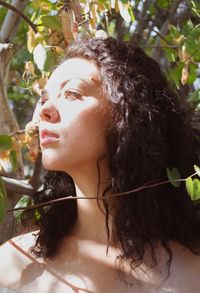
point(90, 222)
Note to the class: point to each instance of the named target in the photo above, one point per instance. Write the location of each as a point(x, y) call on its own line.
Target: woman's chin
point(50, 163)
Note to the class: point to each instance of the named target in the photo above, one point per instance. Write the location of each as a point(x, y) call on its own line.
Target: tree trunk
point(8, 123)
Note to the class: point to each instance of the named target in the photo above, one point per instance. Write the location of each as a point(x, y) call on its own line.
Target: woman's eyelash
point(42, 101)
point(72, 94)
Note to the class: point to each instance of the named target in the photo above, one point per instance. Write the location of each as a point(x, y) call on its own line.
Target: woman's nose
point(49, 112)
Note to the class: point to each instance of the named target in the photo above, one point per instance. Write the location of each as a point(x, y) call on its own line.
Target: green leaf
point(5, 142)
point(195, 96)
point(3, 200)
point(13, 159)
point(130, 10)
point(174, 174)
point(189, 187)
point(186, 30)
point(51, 60)
point(3, 189)
point(2, 207)
point(196, 189)
point(197, 169)
point(163, 4)
point(51, 21)
point(175, 74)
point(192, 73)
point(24, 201)
point(38, 215)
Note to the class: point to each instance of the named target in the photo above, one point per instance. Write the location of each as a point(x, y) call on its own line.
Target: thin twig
point(17, 132)
point(50, 202)
point(169, 46)
point(161, 37)
point(13, 8)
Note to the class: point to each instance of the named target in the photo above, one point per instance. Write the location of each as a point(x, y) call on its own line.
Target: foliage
point(178, 48)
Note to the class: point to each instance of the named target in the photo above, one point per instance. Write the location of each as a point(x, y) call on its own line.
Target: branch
point(164, 28)
point(50, 202)
point(13, 8)
point(141, 22)
point(17, 186)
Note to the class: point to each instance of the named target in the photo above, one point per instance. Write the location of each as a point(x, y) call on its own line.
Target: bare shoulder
point(14, 257)
point(184, 271)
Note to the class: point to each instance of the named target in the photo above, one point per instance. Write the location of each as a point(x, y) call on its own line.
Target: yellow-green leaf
point(196, 189)
point(38, 215)
point(5, 142)
point(189, 187)
point(51, 21)
point(2, 207)
point(13, 159)
point(130, 10)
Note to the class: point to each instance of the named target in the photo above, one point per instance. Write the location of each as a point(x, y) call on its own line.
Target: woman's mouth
point(47, 137)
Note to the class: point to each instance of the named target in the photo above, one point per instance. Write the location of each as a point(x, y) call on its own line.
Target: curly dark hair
point(153, 131)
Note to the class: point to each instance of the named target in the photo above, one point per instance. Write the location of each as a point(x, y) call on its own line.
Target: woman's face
point(73, 117)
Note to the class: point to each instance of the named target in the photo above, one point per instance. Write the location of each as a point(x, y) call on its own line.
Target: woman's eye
point(42, 101)
point(72, 95)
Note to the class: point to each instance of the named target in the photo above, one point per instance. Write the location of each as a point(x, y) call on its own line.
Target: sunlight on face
point(73, 116)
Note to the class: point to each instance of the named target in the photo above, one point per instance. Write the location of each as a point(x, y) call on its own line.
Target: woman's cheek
point(82, 135)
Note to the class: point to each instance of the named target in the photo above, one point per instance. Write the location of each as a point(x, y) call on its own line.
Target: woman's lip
point(47, 136)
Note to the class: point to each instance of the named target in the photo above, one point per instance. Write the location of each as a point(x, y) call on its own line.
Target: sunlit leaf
point(5, 142)
point(189, 187)
point(31, 41)
point(197, 169)
point(184, 75)
point(112, 4)
point(130, 10)
point(124, 12)
point(101, 34)
point(39, 56)
point(174, 174)
point(196, 189)
point(5, 163)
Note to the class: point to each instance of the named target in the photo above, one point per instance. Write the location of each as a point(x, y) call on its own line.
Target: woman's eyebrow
point(66, 81)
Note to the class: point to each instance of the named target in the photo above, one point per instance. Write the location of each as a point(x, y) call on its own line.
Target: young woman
point(109, 124)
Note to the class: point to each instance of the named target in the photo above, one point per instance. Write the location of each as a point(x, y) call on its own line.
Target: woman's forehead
point(78, 72)
point(75, 68)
